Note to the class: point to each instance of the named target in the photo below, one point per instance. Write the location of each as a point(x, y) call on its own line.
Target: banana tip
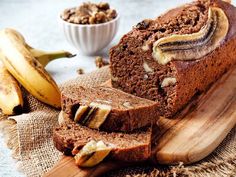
point(71, 55)
point(18, 109)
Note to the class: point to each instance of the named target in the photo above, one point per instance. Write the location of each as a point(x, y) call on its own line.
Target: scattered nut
point(80, 71)
point(113, 78)
point(100, 62)
point(89, 13)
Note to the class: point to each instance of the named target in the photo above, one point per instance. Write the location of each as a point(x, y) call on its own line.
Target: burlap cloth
point(29, 136)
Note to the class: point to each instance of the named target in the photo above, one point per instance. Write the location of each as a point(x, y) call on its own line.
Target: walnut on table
point(80, 71)
point(100, 62)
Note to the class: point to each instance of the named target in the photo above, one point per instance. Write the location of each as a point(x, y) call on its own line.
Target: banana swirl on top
point(195, 45)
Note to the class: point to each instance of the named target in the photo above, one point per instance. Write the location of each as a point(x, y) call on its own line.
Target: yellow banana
point(43, 57)
point(21, 63)
point(11, 101)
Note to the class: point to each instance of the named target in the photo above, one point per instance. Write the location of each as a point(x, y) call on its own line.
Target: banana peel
point(11, 101)
point(26, 69)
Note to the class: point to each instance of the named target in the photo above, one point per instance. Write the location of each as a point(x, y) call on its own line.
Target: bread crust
point(192, 77)
point(133, 147)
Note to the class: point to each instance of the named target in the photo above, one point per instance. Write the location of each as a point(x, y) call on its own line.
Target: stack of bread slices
point(103, 122)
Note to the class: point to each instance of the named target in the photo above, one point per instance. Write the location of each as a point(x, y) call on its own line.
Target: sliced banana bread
point(70, 137)
point(177, 55)
point(108, 109)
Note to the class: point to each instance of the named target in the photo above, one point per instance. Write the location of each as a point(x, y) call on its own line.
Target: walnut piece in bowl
point(89, 13)
point(90, 27)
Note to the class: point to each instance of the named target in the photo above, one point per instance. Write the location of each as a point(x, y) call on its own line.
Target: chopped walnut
point(111, 14)
point(80, 71)
point(103, 5)
point(100, 62)
point(89, 13)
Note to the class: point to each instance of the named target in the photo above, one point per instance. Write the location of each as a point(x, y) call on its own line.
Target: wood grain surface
point(188, 138)
point(66, 168)
point(200, 128)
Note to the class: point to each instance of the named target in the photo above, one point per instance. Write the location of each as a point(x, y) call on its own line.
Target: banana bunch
point(26, 65)
point(42, 56)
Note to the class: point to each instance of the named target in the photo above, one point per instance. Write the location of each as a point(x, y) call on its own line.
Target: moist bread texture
point(130, 147)
point(116, 110)
point(135, 69)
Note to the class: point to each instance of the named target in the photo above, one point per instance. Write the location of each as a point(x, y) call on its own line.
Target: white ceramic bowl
point(90, 39)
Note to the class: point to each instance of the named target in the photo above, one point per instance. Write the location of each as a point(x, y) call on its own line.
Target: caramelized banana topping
point(92, 154)
point(196, 45)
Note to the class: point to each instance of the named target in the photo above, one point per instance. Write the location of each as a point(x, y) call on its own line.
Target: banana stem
point(54, 54)
point(60, 54)
point(45, 57)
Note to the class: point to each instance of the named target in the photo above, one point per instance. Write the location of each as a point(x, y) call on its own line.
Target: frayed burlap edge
point(8, 128)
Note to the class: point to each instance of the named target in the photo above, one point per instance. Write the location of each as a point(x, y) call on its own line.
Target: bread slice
point(108, 109)
point(192, 64)
point(130, 147)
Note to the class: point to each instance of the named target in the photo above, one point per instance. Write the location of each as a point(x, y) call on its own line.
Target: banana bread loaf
point(108, 109)
point(177, 55)
point(132, 147)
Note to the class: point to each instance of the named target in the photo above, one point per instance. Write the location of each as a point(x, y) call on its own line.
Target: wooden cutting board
point(188, 138)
